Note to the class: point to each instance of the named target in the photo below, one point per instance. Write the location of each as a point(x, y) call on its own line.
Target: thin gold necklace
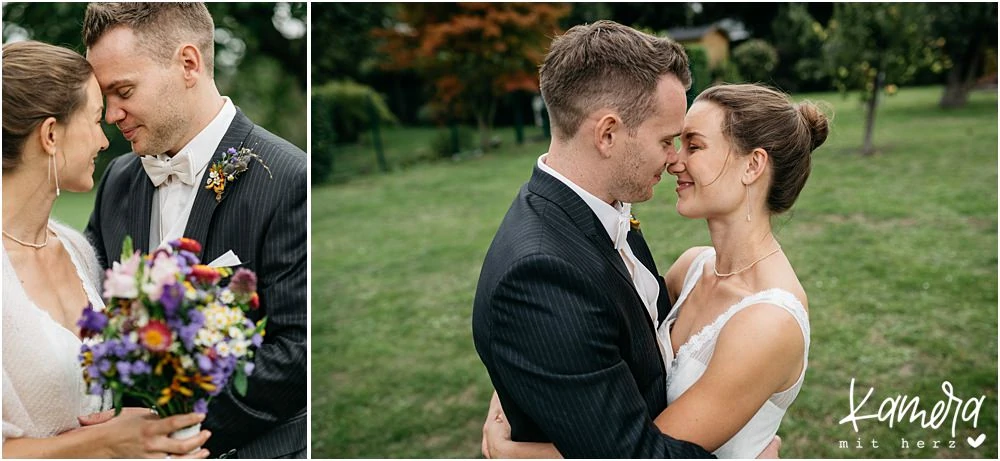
point(717, 274)
point(29, 244)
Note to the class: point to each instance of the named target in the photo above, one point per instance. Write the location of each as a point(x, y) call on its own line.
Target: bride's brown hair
point(39, 81)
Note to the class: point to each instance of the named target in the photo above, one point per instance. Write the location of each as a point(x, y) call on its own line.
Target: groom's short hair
point(159, 27)
point(606, 64)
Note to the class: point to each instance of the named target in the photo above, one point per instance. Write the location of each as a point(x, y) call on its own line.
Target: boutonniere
point(633, 222)
point(233, 163)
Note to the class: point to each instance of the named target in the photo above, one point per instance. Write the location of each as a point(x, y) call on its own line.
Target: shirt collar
point(610, 216)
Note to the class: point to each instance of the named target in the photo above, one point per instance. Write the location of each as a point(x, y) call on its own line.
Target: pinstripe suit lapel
point(142, 203)
point(551, 188)
point(205, 202)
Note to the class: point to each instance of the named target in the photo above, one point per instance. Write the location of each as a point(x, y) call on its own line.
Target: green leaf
point(117, 402)
point(127, 248)
point(240, 381)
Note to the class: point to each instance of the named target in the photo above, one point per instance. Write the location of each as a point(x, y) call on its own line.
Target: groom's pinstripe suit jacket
point(263, 220)
point(566, 340)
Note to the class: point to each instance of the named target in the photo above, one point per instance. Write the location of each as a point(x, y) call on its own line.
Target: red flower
point(155, 336)
point(204, 274)
point(188, 244)
point(255, 301)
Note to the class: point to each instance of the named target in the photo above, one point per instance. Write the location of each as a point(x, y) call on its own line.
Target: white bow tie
point(159, 170)
point(624, 224)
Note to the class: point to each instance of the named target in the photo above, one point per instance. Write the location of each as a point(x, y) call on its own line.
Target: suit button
point(231, 454)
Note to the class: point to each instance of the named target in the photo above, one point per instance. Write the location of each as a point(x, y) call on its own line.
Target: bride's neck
point(27, 204)
point(738, 243)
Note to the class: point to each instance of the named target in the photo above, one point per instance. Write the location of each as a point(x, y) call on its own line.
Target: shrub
point(755, 60)
point(443, 143)
point(701, 76)
point(341, 111)
point(348, 107)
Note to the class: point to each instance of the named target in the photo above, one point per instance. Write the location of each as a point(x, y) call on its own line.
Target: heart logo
point(977, 442)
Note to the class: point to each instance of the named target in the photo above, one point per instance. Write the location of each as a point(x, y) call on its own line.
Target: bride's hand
point(496, 429)
point(139, 433)
point(498, 443)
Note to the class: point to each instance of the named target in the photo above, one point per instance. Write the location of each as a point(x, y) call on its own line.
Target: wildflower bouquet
point(171, 335)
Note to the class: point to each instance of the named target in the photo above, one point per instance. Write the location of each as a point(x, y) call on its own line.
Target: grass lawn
point(898, 253)
point(73, 209)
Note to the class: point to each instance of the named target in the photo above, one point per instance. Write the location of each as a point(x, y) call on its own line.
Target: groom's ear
point(193, 64)
point(607, 131)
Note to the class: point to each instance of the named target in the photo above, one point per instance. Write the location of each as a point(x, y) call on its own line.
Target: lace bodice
point(43, 388)
point(694, 355)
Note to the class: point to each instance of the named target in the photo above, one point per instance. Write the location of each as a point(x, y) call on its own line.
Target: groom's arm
point(554, 337)
point(276, 389)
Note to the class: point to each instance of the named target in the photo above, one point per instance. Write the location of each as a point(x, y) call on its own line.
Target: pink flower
point(120, 280)
point(244, 282)
point(163, 272)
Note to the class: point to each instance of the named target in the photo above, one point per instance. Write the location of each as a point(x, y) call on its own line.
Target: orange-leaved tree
point(474, 53)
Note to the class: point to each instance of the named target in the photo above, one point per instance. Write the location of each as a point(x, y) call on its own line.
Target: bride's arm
point(497, 443)
point(135, 433)
point(739, 379)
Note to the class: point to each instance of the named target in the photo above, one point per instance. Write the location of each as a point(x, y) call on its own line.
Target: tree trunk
point(962, 76)
point(869, 148)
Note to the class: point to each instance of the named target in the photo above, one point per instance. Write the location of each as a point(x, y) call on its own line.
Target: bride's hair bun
point(816, 121)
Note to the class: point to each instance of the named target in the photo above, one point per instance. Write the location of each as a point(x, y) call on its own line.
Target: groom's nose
point(114, 113)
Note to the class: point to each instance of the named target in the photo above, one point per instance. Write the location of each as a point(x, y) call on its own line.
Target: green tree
point(964, 30)
point(474, 53)
point(798, 39)
point(756, 60)
point(874, 44)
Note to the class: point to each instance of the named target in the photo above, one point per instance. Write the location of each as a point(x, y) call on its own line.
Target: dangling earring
point(748, 203)
point(54, 169)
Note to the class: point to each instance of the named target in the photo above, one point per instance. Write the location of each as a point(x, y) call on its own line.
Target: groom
point(569, 297)
point(154, 62)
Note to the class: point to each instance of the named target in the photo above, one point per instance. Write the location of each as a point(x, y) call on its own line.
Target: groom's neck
point(204, 106)
point(580, 167)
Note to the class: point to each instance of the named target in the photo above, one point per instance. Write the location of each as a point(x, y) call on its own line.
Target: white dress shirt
point(615, 220)
point(173, 200)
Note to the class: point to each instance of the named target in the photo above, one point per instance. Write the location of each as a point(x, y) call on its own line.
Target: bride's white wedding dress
point(43, 388)
point(693, 357)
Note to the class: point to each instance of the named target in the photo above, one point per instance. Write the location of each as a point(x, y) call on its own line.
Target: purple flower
point(204, 363)
point(91, 322)
point(187, 334)
point(231, 151)
point(256, 340)
point(201, 406)
point(125, 372)
point(248, 368)
point(171, 298)
point(244, 282)
point(140, 367)
point(96, 389)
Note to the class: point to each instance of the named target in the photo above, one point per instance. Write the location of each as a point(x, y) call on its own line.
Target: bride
point(735, 345)
point(52, 110)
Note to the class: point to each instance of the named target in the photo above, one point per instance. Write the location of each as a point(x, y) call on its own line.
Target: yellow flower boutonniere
point(234, 162)
point(633, 222)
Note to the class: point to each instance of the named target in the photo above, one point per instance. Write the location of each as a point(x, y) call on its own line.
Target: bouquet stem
point(187, 433)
